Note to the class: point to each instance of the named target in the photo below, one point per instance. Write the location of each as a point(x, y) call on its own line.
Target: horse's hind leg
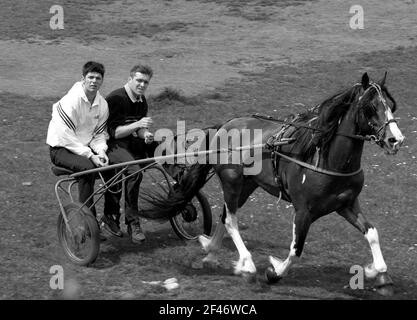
point(245, 263)
point(235, 196)
point(377, 269)
point(301, 225)
point(236, 192)
point(233, 188)
point(212, 244)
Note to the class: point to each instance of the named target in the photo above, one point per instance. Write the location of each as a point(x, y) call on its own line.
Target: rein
point(297, 125)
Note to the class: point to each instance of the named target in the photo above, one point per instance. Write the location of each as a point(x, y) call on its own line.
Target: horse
point(319, 172)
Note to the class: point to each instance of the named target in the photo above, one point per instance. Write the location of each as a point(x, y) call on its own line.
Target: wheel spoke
point(80, 238)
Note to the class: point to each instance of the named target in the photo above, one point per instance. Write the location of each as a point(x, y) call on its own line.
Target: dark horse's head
point(372, 106)
point(375, 115)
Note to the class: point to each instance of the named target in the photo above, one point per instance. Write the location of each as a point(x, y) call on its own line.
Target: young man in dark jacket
point(128, 127)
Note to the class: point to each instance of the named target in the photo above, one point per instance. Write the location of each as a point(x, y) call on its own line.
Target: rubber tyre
point(91, 222)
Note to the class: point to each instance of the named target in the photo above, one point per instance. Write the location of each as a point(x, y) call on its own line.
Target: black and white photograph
point(210, 155)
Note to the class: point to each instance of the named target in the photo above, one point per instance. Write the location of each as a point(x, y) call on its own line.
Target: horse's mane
point(324, 117)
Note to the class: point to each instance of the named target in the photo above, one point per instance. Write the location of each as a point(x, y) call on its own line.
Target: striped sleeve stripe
point(101, 128)
point(65, 117)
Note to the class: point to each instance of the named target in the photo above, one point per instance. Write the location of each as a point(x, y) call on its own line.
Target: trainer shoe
point(135, 231)
point(109, 225)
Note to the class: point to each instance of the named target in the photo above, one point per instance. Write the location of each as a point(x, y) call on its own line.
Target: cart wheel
point(81, 238)
point(194, 220)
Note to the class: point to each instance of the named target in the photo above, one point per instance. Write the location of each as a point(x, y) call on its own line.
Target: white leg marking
point(281, 267)
point(370, 271)
point(205, 242)
point(378, 264)
point(245, 263)
point(212, 244)
point(304, 179)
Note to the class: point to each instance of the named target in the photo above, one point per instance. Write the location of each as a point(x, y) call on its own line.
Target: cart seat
point(60, 171)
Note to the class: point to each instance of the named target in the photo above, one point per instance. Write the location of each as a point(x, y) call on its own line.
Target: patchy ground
point(228, 58)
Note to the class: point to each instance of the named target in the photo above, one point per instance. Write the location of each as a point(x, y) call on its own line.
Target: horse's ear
point(365, 81)
point(382, 82)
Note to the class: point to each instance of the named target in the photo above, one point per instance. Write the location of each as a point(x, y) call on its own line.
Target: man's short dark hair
point(144, 69)
point(92, 66)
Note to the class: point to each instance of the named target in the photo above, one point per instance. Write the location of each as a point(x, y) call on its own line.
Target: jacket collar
point(132, 95)
point(84, 96)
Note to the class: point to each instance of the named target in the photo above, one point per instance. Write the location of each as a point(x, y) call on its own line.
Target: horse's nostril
point(392, 140)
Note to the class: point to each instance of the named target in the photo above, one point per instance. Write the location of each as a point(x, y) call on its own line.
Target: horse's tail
point(165, 206)
point(190, 182)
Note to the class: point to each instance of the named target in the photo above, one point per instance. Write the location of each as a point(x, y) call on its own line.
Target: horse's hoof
point(383, 279)
point(384, 285)
point(386, 291)
point(271, 276)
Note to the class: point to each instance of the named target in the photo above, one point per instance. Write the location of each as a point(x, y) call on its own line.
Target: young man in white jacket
point(77, 133)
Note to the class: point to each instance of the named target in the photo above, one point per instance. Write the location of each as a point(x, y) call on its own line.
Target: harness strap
point(264, 117)
point(297, 125)
point(316, 169)
point(275, 153)
point(355, 136)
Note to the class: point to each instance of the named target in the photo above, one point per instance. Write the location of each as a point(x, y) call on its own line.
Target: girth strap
point(316, 169)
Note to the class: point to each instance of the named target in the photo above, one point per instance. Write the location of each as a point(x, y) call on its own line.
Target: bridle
point(378, 136)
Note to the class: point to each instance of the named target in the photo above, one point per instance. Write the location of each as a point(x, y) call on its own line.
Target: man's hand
point(148, 136)
point(104, 158)
point(133, 128)
point(96, 159)
point(145, 122)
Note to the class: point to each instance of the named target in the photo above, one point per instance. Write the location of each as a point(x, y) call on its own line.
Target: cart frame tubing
point(71, 180)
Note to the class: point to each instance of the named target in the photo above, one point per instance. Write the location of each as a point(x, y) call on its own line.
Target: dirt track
point(258, 57)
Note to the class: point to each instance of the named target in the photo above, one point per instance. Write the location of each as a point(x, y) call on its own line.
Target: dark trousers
point(62, 157)
point(119, 153)
point(112, 196)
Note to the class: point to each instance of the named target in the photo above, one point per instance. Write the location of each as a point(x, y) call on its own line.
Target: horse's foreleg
point(378, 265)
point(356, 218)
point(378, 268)
point(301, 225)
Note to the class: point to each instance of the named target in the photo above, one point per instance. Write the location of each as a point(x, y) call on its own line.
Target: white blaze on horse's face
point(393, 138)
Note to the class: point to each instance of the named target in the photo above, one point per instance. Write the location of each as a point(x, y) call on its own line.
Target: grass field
point(226, 58)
